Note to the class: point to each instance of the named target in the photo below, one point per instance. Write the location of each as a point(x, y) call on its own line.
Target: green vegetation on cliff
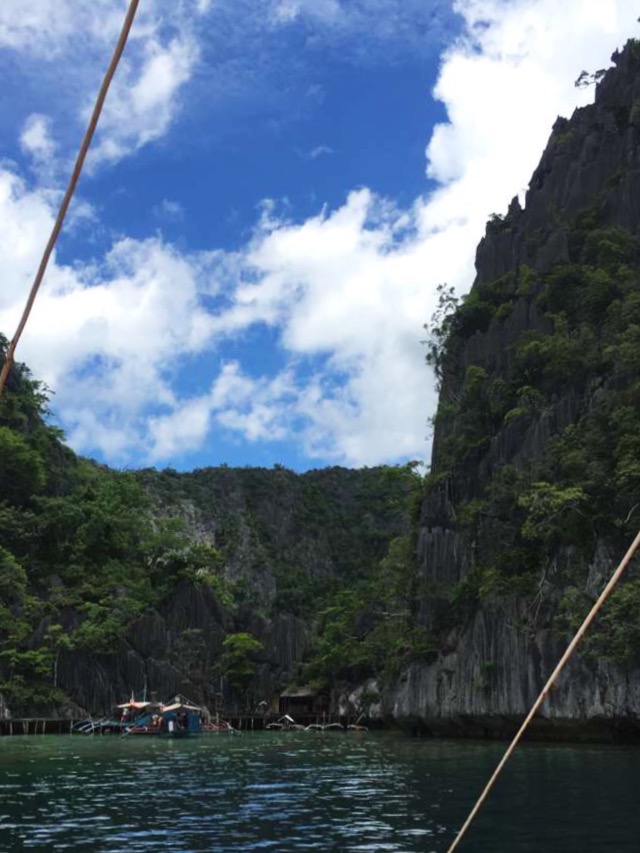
point(88, 553)
point(580, 353)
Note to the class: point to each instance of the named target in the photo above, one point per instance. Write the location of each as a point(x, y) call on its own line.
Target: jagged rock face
point(495, 668)
point(490, 669)
point(595, 155)
point(277, 530)
point(267, 524)
point(162, 652)
point(176, 652)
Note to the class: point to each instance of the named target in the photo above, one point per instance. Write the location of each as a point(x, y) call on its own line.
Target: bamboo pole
point(75, 175)
point(604, 595)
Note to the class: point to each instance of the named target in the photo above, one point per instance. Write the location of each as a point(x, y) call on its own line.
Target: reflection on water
point(329, 792)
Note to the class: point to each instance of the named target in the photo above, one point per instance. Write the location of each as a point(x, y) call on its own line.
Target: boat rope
point(77, 169)
point(606, 592)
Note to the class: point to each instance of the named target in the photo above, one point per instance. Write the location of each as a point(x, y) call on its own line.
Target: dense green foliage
point(369, 629)
point(238, 662)
point(81, 555)
point(342, 577)
point(583, 354)
point(86, 551)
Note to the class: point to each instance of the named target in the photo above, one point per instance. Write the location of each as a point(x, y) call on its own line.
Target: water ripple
point(290, 792)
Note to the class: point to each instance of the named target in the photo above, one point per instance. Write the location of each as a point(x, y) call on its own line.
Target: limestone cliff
point(531, 500)
point(285, 540)
point(213, 584)
point(533, 495)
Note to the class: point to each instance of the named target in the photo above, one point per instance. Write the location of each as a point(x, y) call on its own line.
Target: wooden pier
point(243, 722)
point(36, 726)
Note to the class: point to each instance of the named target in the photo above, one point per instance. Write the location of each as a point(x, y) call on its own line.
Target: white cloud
point(36, 138)
point(71, 41)
point(397, 24)
point(320, 151)
point(351, 288)
point(256, 408)
point(354, 286)
point(345, 292)
point(37, 143)
point(44, 27)
point(64, 46)
point(327, 11)
point(507, 79)
point(143, 101)
point(47, 29)
point(26, 224)
point(108, 337)
point(169, 210)
point(186, 427)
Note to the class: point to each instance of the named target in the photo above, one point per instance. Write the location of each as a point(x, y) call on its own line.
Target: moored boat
point(285, 723)
point(179, 718)
point(124, 717)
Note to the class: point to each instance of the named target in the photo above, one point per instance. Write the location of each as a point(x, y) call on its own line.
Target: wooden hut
point(304, 701)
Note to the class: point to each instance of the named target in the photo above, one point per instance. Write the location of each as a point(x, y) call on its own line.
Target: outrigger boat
point(288, 724)
point(176, 719)
point(285, 723)
point(125, 716)
point(179, 719)
point(218, 726)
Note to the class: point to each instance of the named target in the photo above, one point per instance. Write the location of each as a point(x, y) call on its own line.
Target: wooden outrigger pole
point(75, 175)
point(606, 592)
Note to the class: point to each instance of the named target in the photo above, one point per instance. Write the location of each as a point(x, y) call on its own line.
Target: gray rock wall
point(490, 669)
point(269, 525)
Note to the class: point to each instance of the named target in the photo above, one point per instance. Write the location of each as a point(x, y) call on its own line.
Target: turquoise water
point(329, 792)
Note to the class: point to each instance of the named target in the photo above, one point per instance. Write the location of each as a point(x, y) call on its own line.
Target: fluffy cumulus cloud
point(73, 29)
point(40, 148)
point(36, 138)
point(345, 293)
point(346, 290)
point(44, 27)
point(509, 76)
point(108, 336)
point(143, 102)
point(65, 45)
point(353, 286)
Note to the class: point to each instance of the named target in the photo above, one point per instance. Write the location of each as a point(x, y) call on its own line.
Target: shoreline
point(543, 730)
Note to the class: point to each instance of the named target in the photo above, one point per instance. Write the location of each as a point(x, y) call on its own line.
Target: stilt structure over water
point(37, 726)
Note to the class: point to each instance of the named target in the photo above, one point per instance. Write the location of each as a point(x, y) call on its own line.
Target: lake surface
point(330, 792)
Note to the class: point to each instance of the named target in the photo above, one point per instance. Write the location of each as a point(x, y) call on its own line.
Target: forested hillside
point(238, 580)
point(442, 603)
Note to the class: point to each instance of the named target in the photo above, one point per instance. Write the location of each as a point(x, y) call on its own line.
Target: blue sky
point(275, 192)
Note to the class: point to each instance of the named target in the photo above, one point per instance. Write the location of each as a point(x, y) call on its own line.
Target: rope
point(606, 592)
point(84, 148)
